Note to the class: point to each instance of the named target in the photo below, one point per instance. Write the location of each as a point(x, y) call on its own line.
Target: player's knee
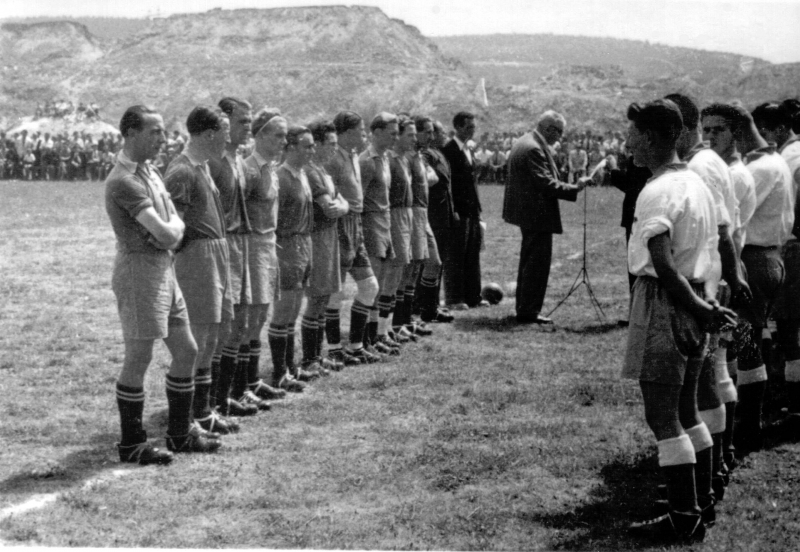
point(336, 300)
point(367, 290)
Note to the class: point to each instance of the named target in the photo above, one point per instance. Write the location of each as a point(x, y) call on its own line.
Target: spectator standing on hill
point(465, 260)
point(531, 202)
point(577, 162)
point(149, 301)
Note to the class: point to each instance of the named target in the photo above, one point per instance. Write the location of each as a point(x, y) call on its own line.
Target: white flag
point(480, 92)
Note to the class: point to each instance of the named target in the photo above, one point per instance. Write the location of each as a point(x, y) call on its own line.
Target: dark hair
point(263, 117)
point(662, 117)
point(726, 111)
point(771, 115)
point(294, 134)
point(404, 122)
point(229, 104)
point(133, 118)
point(461, 118)
point(688, 109)
point(382, 120)
point(203, 118)
point(320, 129)
point(792, 106)
point(420, 121)
point(346, 120)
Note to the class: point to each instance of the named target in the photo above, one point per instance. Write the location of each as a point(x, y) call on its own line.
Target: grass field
point(488, 436)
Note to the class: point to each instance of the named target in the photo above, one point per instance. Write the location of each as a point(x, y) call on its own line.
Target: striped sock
point(308, 336)
point(320, 336)
point(130, 401)
point(399, 308)
point(276, 337)
point(201, 406)
point(254, 362)
point(408, 305)
point(333, 328)
point(384, 310)
point(290, 366)
point(242, 368)
point(227, 371)
point(359, 314)
point(179, 397)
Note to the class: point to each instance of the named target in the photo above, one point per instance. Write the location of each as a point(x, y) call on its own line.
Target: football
point(492, 293)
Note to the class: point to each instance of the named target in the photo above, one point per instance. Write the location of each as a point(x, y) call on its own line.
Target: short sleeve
point(179, 182)
point(131, 195)
point(657, 213)
point(316, 183)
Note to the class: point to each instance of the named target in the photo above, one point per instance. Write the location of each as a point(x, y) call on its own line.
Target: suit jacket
point(441, 211)
point(464, 181)
point(533, 188)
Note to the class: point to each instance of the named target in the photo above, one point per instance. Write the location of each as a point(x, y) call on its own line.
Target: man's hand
point(740, 292)
point(611, 163)
point(718, 318)
point(583, 182)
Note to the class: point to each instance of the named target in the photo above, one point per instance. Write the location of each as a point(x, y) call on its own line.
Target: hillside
point(317, 60)
point(307, 61)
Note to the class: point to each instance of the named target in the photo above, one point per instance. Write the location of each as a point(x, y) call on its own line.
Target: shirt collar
point(260, 160)
point(698, 147)
point(373, 152)
point(126, 162)
point(788, 142)
point(297, 173)
point(346, 152)
point(669, 167)
point(461, 145)
point(192, 159)
point(757, 153)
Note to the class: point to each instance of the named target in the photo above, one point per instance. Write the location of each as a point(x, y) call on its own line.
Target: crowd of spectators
point(576, 155)
point(80, 156)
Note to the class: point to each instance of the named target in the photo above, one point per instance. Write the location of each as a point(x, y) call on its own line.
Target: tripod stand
point(582, 279)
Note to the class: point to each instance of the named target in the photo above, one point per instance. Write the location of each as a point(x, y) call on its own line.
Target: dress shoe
point(533, 319)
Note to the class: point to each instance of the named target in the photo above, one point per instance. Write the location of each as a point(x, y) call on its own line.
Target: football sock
point(308, 337)
point(179, 398)
point(202, 390)
point(130, 401)
point(320, 336)
point(253, 363)
point(703, 452)
point(242, 375)
point(290, 365)
point(333, 328)
point(359, 315)
point(276, 337)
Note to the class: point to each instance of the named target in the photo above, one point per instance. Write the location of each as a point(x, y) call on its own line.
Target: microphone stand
point(582, 279)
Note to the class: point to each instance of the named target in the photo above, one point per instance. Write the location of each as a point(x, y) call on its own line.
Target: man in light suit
point(464, 267)
point(531, 202)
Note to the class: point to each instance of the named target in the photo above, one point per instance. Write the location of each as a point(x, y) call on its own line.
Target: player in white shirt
point(715, 174)
point(768, 230)
point(673, 253)
point(717, 122)
point(774, 122)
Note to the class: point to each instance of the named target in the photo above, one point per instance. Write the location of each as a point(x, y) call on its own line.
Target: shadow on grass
point(507, 323)
point(627, 495)
point(603, 328)
point(42, 476)
point(57, 474)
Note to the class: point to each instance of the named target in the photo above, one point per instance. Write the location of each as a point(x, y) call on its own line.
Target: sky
point(766, 29)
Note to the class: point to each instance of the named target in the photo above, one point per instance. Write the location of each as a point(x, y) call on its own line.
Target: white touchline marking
point(41, 500)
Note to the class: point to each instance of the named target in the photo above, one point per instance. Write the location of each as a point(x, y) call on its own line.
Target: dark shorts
point(662, 335)
point(202, 268)
point(353, 256)
point(149, 300)
point(325, 276)
point(263, 269)
point(294, 261)
point(787, 306)
point(419, 234)
point(764, 275)
point(378, 234)
point(239, 268)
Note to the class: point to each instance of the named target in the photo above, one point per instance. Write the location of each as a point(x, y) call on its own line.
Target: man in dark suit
point(443, 220)
point(463, 269)
point(533, 189)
